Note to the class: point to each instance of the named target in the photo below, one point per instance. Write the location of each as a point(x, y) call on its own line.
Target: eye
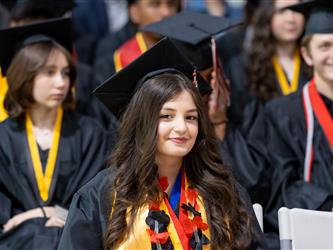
point(191, 118)
point(49, 72)
point(166, 116)
point(65, 73)
point(324, 46)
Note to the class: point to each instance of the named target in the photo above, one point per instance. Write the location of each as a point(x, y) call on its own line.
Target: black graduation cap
point(320, 16)
point(12, 39)
point(192, 33)
point(117, 91)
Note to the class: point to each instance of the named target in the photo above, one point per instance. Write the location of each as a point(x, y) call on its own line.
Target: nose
point(59, 80)
point(180, 125)
point(290, 15)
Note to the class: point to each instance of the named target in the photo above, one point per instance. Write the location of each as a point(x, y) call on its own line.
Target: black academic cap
point(319, 14)
point(192, 33)
point(12, 39)
point(117, 91)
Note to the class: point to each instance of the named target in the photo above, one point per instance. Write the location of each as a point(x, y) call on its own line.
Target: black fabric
point(82, 153)
point(43, 155)
point(244, 151)
point(117, 91)
point(287, 134)
point(57, 30)
point(237, 72)
point(89, 212)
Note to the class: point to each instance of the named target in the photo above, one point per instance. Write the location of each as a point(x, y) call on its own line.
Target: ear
point(306, 56)
point(134, 13)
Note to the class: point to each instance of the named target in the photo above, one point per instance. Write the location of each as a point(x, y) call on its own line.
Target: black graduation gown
point(244, 151)
point(90, 209)
point(82, 153)
point(237, 72)
point(287, 134)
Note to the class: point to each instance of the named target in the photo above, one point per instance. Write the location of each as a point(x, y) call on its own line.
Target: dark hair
point(305, 42)
point(135, 182)
point(21, 73)
point(261, 73)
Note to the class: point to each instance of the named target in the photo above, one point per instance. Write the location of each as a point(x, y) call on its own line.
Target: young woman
point(272, 65)
point(167, 188)
point(47, 151)
point(300, 125)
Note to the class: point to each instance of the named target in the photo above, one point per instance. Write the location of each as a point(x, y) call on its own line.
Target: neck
point(323, 87)
point(170, 169)
point(285, 49)
point(149, 39)
point(43, 118)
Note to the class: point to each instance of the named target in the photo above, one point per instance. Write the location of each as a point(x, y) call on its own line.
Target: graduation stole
point(157, 226)
point(3, 91)
point(314, 104)
point(44, 180)
point(131, 50)
point(285, 87)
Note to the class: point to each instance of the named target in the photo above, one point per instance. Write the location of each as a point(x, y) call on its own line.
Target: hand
point(19, 218)
point(217, 103)
point(55, 222)
point(30, 214)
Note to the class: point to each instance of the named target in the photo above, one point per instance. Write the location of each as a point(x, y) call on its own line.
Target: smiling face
point(286, 25)
point(177, 127)
point(319, 55)
point(51, 84)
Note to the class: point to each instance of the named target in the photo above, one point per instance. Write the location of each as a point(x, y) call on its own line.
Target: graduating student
point(242, 145)
point(300, 126)
point(271, 66)
point(167, 188)
point(47, 151)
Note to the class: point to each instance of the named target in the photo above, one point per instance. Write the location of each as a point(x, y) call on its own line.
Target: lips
point(57, 96)
point(179, 140)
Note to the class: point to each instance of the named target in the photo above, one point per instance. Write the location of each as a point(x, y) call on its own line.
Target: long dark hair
point(22, 71)
point(135, 182)
point(261, 73)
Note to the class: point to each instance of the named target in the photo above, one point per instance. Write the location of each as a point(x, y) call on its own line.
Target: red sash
point(314, 104)
point(129, 51)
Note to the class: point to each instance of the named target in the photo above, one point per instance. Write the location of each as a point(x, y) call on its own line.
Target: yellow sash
point(139, 238)
point(3, 91)
point(44, 181)
point(282, 80)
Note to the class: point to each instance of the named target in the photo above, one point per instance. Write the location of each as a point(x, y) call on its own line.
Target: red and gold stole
point(179, 229)
point(128, 52)
point(3, 91)
point(44, 180)
point(285, 87)
point(314, 104)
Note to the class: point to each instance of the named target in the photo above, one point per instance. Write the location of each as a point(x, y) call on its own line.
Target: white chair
point(305, 229)
point(259, 214)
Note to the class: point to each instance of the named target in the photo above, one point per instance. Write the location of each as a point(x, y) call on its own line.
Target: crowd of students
point(193, 118)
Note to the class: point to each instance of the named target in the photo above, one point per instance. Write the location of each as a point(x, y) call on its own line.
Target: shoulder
point(9, 125)
point(99, 186)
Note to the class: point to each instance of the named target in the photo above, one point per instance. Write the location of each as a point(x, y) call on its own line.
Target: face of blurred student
point(286, 25)
point(319, 54)
point(145, 12)
point(177, 127)
point(52, 82)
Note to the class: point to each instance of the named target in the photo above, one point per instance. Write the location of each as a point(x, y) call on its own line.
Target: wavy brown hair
point(261, 73)
point(27, 63)
point(135, 182)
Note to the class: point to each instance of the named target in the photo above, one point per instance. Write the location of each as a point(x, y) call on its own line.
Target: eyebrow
point(187, 111)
